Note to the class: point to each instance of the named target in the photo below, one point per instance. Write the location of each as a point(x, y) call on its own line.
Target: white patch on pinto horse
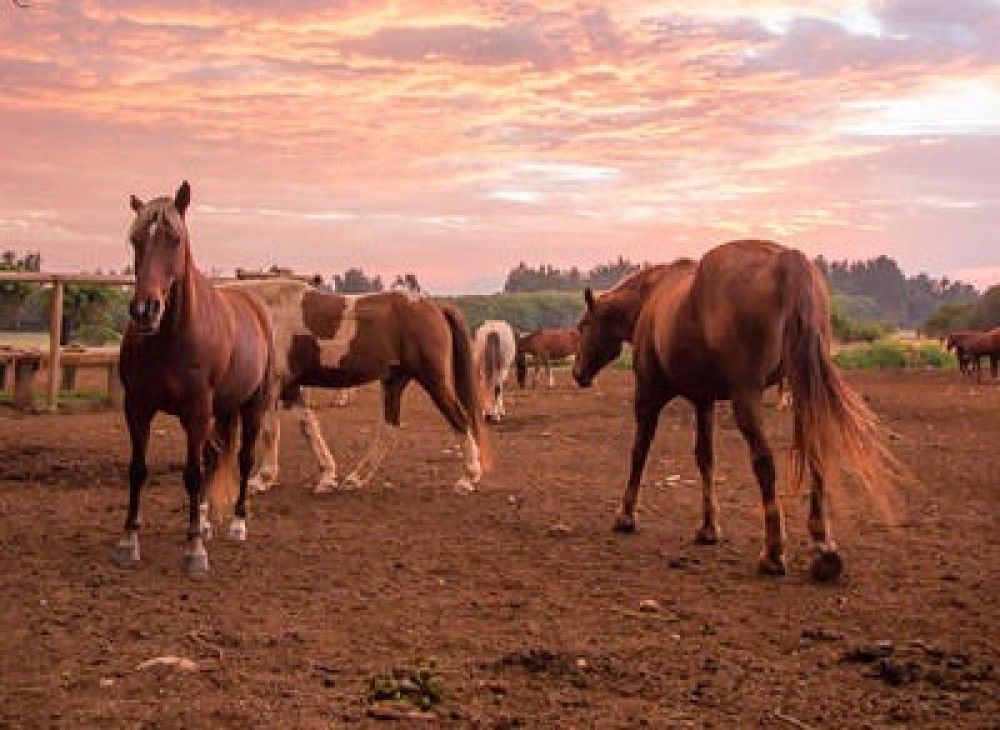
point(333, 350)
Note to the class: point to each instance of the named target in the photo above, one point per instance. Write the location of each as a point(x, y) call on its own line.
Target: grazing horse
point(693, 338)
point(328, 340)
point(495, 348)
point(984, 344)
point(197, 353)
point(544, 345)
point(958, 341)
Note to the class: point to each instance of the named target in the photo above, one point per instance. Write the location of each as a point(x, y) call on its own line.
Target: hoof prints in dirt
point(916, 661)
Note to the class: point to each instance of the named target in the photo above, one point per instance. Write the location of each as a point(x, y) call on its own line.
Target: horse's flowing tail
point(832, 424)
point(224, 482)
point(464, 371)
point(491, 358)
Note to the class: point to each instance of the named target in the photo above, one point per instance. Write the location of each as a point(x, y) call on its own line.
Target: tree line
point(871, 297)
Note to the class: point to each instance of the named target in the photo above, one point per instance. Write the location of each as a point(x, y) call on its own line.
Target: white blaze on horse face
point(334, 349)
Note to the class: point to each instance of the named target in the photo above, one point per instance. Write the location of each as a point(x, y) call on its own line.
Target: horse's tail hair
point(832, 423)
point(464, 371)
point(492, 357)
point(223, 485)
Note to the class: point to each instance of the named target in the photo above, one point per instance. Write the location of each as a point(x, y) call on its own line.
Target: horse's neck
point(188, 303)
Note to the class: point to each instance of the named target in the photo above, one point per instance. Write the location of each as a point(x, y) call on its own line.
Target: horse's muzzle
point(146, 313)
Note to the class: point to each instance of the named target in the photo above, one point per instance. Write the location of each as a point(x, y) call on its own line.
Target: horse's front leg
point(708, 533)
point(649, 401)
point(266, 474)
point(196, 426)
point(138, 418)
point(252, 416)
point(309, 425)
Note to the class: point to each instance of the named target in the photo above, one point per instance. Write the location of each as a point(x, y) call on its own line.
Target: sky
point(454, 140)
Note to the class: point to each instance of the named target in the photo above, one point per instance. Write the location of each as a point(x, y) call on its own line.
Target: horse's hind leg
point(446, 400)
point(126, 552)
point(708, 533)
point(385, 436)
point(828, 565)
point(649, 401)
point(747, 407)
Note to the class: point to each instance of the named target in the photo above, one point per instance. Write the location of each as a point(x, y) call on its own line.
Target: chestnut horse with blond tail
point(749, 314)
point(197, 353)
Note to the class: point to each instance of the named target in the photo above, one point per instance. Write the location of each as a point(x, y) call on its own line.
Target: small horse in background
point(959, 342)
point(197, 353)
point(692, 338)
point(495, 349)
point(544, 345)
point(327, 340)
point(984, 344)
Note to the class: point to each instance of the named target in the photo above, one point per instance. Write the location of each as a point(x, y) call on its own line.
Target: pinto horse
point(330, 340)
point(495, 349)
point(693, 338)
point(197, 353)
point(544, 345)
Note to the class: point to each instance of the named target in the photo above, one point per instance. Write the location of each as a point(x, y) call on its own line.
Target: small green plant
point(419, 685)
point(890, 354)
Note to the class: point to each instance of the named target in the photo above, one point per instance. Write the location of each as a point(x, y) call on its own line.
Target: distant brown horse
point(984, 344)
point(330, 340)
point(959, 342)
point(694, 338)
point(544, 346)
point(199, 354)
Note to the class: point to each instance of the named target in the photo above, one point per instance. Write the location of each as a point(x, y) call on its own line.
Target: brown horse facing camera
point(544, 345)
point(197, 353)
point(748, 314)
point(326, 340)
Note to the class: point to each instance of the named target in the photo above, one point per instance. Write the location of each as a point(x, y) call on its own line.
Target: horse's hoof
point(195, 564)
point(352, 481)
point(624, 524)
point(125, 555)
point(827, 567)
point(464, 486)
point(207, 531)
point(768, 565)
point(238, 530)
point(325, 485)
point(257, 486)
point(706, 536)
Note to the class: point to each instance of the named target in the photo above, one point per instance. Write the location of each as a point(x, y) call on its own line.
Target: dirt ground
point(514, 606)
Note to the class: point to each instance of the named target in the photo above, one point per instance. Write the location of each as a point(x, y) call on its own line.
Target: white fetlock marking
point(238, 529)
point(470, 458)
point(204, 524)
point(464, 486)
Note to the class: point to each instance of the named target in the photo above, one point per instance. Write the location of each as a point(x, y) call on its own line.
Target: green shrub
point(892, 354)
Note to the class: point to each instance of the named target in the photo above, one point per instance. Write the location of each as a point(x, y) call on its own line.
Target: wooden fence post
point(55, 330)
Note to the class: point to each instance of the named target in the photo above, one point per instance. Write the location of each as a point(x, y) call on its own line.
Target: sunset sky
point(455, 139)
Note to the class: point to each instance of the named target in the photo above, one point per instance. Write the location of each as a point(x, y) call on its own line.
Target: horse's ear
point(183, 197)
point(588, 297)
point(135, 203)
